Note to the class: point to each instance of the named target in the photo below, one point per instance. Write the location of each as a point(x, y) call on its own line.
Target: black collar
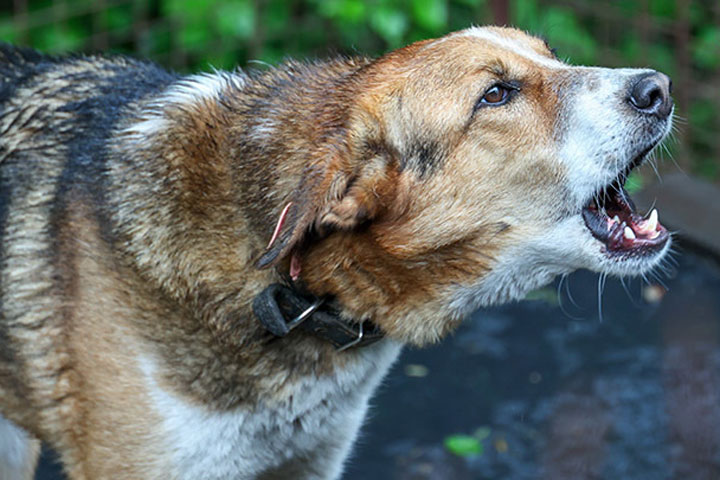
point(281, 309)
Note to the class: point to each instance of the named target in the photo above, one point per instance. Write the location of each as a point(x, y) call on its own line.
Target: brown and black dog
point(162, 237)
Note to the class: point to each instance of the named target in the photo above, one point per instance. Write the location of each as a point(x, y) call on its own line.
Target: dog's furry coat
point(136, 208)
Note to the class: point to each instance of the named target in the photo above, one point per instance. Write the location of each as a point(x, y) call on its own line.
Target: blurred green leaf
point(631, 48)
point(276, 17)
point(187, 9)
point(560, 26)
point(221, 60)
point(472, 3)
point(271, 55)
point(527, 15)
point(706, 47)
point(7, 30)
point(191, 18)
point(564, 32)
point(58, 38)
point(662, 8)
point(195, 37)
point(36, 5)
point(702, 112)
point(391, 24)
point(351, 11)
point(116, 18)
point(463, 445)
point(430, 14)
point(663, 59)
point(236, 19)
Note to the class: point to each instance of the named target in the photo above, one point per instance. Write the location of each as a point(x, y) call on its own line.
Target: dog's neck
point(230, 150)
point(220, 177)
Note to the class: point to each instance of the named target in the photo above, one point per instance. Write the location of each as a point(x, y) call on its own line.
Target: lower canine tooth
point(628, 233)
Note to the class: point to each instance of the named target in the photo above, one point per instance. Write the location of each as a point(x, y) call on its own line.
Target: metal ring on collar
point(354, 342)
point(305, 314)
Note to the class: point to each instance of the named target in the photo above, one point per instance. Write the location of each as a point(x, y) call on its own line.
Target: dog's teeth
point(652, 222)
point(628, 233)
point(616, 219)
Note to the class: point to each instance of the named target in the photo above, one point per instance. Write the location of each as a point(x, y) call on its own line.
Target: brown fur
point(400, 191)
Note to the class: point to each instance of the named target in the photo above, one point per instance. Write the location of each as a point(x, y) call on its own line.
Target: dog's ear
point(336, 195)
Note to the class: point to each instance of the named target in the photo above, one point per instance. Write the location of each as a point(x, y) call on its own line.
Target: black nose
point(650, 94)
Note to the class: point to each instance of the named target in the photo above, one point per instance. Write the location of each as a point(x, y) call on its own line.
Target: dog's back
point(56, 116)
point(18, 452)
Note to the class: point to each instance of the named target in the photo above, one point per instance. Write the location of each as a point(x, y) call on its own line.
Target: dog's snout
point(650, 94)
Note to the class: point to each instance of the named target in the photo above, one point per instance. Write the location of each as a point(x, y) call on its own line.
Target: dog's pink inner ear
point(340, 201)
point(287, 235)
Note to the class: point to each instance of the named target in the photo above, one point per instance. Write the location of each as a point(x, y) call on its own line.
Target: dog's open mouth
point(611, 218)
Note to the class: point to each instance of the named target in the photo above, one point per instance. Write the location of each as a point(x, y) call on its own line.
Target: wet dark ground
point(548, 390)
point(553, 394)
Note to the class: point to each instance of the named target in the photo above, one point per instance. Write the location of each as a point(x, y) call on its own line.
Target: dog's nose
point(650, 94)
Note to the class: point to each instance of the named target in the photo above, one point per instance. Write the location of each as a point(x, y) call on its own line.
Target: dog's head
point(470, 170)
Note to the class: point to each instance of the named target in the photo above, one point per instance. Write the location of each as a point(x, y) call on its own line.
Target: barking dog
point(207, 276)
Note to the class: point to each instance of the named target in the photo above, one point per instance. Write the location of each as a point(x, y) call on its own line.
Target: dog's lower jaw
point(500, 286)
point(539, 259)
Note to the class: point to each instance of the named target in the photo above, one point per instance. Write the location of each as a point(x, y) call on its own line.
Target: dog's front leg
point(18, 452)
point(316, 442)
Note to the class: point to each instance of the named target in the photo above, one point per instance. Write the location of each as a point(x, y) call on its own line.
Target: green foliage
point(192, 35)
point(59, 38)
point(7, 30)
point(350, 12)
point(117, 17)
point(662, 8)
point(391, 23)
point(468, 445)
point(561, 28)
point(431, 15)
point(236, 20)
point(464, 445)
point(706, 47)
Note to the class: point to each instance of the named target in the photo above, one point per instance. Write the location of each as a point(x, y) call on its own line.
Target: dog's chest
point(304, 435)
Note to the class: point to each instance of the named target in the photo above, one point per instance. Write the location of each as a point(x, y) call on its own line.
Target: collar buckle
point(274, 305)
point(357, 340)
point(305, 314)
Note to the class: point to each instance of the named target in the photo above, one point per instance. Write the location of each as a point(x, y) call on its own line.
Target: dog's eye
point(496, 95)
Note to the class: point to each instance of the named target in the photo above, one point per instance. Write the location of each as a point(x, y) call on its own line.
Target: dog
point(207, 276)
